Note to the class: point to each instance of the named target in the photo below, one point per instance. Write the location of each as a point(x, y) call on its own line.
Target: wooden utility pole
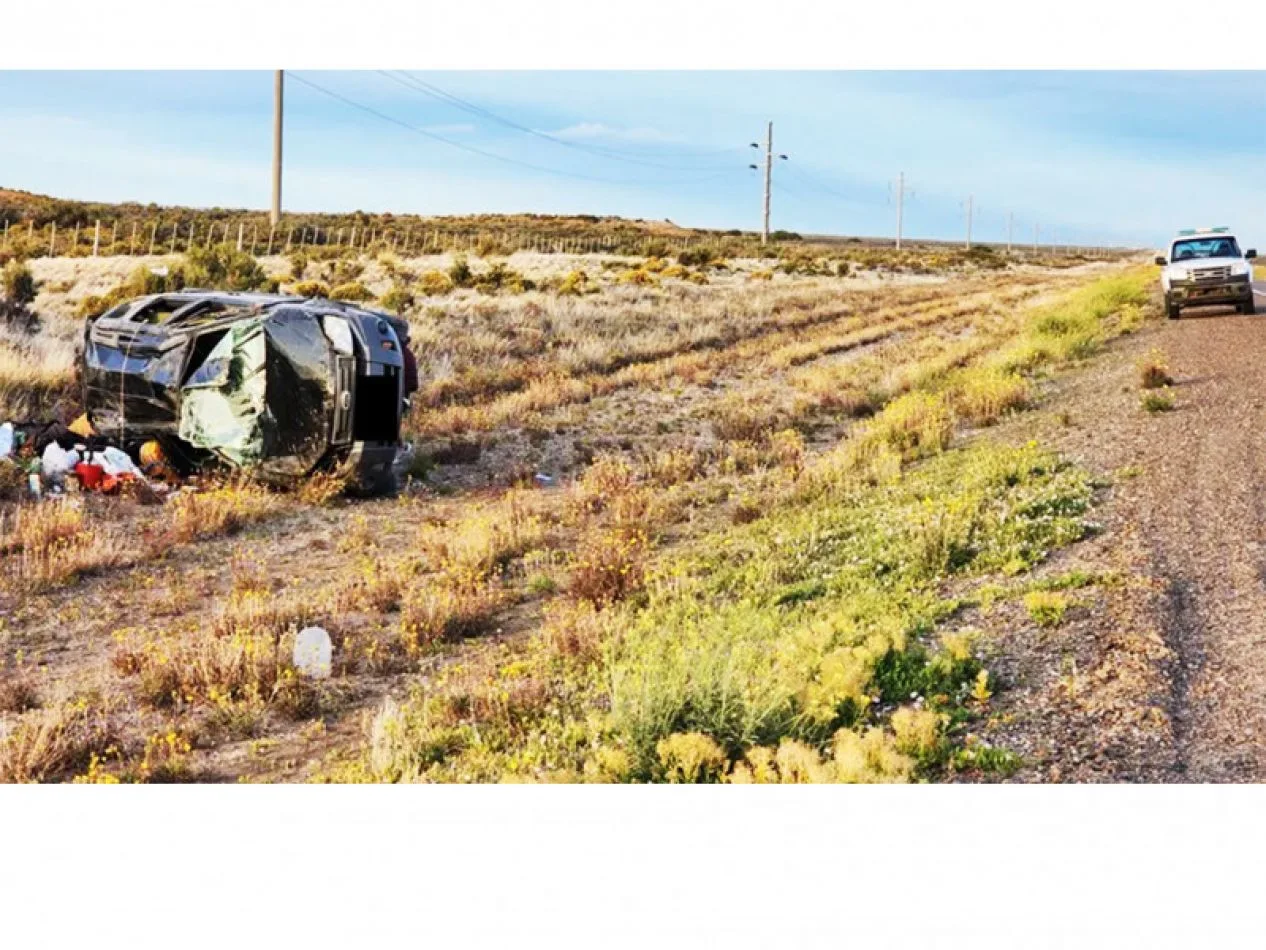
point(279, 83)
point(769, 168)
point(901, 199)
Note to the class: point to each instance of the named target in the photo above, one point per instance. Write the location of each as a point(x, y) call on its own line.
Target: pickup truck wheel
point(1171, 309)
point(1248, 307)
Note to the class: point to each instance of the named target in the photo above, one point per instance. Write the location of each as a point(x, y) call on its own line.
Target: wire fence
point(157, 237)
point(134, 238)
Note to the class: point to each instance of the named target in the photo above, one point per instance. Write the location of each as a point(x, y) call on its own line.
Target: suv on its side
point(279, 385)
point(1205, 266)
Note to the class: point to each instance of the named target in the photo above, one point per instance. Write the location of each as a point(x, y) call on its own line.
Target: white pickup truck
point(1205, 266)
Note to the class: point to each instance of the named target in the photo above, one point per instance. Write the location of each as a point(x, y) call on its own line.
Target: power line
point(478, 151)
point(411, 81)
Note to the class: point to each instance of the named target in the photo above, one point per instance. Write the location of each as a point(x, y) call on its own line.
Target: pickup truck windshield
point(1205, 247)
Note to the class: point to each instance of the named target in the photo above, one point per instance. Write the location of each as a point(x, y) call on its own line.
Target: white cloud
point(589, 131)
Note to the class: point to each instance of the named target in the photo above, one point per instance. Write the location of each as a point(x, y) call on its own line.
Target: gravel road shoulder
point(1158, 672)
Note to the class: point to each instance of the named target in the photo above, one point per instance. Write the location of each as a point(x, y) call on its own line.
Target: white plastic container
point(314, 652)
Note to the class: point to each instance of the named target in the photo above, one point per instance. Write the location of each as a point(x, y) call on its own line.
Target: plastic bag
point(6, 440)
point(56, 462)
point(116, 462)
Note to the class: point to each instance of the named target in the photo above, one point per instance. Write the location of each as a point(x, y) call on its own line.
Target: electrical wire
point(478, 151)
point(410, 80)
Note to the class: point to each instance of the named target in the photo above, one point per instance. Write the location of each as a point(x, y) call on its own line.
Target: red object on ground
point(90, 476)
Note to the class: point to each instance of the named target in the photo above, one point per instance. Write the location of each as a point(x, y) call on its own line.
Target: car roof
point(1204, 235)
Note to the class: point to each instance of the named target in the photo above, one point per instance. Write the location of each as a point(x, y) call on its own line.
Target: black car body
point(279, 385)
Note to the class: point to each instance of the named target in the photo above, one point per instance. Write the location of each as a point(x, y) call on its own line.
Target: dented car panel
point(278, 385)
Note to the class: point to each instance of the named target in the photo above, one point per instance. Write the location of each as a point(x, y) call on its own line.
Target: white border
point(588, 867)
point(645, 34)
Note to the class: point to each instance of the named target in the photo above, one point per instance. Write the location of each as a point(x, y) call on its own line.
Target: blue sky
point(1125, 157)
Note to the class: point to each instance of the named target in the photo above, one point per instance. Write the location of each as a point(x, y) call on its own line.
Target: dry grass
point(225, 509)
point(487, 537)
point(609, 565)
point(51, 544)
point(448, 608)
point(54, 742)
point(36, 375)
point(985, 396)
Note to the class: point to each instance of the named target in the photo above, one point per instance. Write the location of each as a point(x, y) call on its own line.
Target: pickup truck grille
point(1210, 273)
point(345, 382)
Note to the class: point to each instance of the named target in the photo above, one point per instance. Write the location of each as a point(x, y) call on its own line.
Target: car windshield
point(1205, 247)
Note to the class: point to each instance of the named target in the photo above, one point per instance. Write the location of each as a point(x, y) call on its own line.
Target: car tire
point(1248, 307)
point(1171, 309)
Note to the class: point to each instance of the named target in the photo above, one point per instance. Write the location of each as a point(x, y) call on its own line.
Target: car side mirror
point(1250, 254)
point(1160, 260)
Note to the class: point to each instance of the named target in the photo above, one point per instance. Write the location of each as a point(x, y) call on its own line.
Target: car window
point(1197, 248)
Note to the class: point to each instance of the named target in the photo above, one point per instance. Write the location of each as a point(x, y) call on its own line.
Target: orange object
point(152, 454)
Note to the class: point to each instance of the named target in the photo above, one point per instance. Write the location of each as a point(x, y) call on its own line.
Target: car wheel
point(1171, 310)
point(1248, 307)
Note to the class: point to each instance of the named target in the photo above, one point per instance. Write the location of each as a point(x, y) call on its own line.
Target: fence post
point(52, 240)
point(96, 239)
point(74, 242)
point(114, 235)
point(272, 230)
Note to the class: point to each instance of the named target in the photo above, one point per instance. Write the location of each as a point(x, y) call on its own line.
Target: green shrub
point(398, 299)
point(353, 292)
point(697, 257)
point(344, 272)
point(498, 278)
point(17, 283)
point(310, 288)
point(435, 283)
point(459, 272)
point(221, 267)
point(1046, 607)
point(1158, 400)
point(575, 284)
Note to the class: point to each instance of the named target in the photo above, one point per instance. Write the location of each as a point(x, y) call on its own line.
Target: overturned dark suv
point(282, 386)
